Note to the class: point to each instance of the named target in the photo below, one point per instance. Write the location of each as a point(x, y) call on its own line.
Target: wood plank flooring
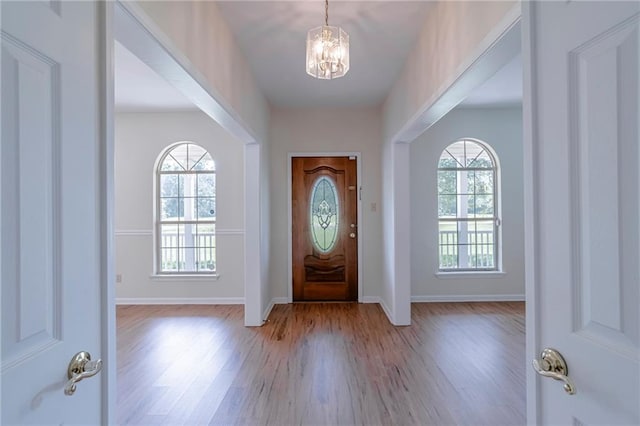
point(322, 364)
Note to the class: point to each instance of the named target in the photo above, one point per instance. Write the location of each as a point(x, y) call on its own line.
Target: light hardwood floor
point(322, 364)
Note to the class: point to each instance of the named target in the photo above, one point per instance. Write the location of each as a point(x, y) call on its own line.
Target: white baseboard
point(274, 301)
point(179, 301)
point(379, 301)
point(370, 299)
point(470, 298)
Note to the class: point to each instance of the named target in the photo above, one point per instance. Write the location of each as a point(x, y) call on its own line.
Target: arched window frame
point(187, 240)
point(475, 243)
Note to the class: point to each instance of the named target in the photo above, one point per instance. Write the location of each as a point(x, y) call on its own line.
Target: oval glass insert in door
point(323, 215)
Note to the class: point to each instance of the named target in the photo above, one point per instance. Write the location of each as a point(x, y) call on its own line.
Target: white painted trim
point(149, 232)
point(254, 286)
point(470, 298)
point(470, 275)
point(386, 310)
point(133, 233)
point(401, 299)
point(179, 301)
point(361, 229)
point(221, 232)
point(105, 22)
point(370, 299)
point(192, 278)
point(274, 301)
point(531, 201)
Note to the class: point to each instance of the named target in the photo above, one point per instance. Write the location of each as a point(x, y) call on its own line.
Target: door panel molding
point(31, 137)
point(361, 228)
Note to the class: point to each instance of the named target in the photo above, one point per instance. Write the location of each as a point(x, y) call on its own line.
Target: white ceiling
point(504, 89)
point(272, 35)
point(139, 89)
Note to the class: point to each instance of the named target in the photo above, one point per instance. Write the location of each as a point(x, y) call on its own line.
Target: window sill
point(470, 274)
point(185, 277)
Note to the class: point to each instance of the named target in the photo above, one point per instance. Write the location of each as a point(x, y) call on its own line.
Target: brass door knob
point(352, 235)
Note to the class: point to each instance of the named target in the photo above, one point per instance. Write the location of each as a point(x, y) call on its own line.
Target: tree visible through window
point(186, 210)
point(467, 205)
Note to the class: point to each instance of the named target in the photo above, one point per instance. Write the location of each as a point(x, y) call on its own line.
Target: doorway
point(324, 228)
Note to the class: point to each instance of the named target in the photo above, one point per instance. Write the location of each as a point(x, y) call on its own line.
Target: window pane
point(483, 182)
point(447, 162)
point(448, 244)
point(483, 160)
point(171, 209)
point(205, 163)
point(169, 248)
point(447, 206)
point(205, 247)
point(206, 185)
point(472, 152)
point(195, 154)
point(447, 181)
point(480, 206)
point(169, 185)
point(179, 154)
point(206, 208)
point(170, 164)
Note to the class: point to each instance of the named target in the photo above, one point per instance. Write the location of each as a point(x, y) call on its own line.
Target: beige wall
point(326, 130)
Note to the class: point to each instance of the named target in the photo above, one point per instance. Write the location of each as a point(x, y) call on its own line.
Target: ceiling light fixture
point(327, 50)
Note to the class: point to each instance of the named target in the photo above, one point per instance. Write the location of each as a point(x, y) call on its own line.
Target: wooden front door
point(325, 243)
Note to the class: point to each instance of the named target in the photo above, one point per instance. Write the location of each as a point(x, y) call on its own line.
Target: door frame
point(290, 155)
point(106, 162)
point(530, 194)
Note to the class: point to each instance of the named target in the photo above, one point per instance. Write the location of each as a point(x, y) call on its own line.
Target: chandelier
point(327, 50)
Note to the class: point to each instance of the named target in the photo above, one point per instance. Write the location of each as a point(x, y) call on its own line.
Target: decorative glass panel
point(324, 214)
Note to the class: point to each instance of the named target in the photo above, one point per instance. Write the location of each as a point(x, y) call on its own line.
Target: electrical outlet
point(118, 278)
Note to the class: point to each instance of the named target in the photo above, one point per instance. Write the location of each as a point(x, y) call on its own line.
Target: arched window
point(468, 207)
point(186, 211)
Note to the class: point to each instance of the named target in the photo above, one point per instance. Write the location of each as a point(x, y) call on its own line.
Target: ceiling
point(272, 35)
point(504, 89)
point(139, 89)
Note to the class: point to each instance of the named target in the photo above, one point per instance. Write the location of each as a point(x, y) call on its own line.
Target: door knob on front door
point(80, 368)
point(552, 364)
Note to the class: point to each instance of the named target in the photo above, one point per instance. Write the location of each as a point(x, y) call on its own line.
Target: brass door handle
point(552, 364)
point(80, 368)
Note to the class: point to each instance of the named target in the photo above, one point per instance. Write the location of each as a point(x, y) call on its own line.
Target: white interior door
point(585, 85)
point(50, 180)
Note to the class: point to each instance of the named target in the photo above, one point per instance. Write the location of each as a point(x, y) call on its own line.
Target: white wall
point(454, 35)
point(327, 130)
point(139, 140)
point(502, 130)
point(197, 30)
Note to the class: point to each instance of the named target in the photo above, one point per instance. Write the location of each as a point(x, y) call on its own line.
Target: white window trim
point(196, 277)
point(159, 275)
point(497, 271)
point(470, 274)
